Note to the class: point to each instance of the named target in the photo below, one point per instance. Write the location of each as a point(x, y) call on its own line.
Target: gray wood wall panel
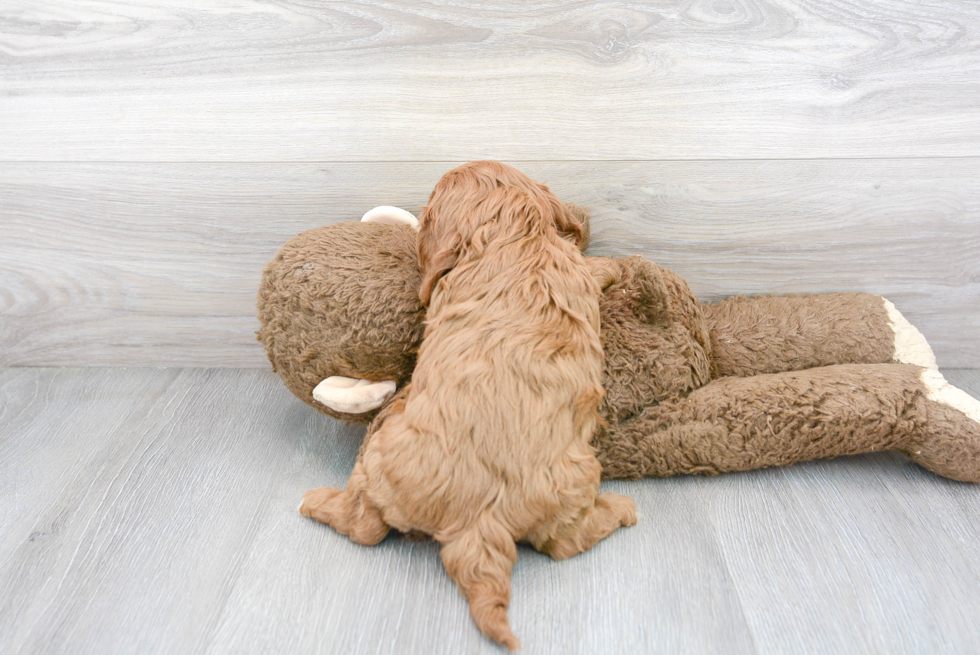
point(371, 80)
point(171, 527)
point(158, 264)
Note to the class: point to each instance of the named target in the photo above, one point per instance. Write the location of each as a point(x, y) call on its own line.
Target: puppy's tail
point(480, 559)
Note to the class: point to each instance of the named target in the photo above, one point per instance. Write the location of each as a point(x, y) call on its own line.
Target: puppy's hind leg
point(348, 511)
point(562, 539)
point(479, 559)
point(584, 516)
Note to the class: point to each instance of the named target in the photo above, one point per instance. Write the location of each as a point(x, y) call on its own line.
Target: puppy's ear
point(572, 225)
point(440, 263)
point(606, 271)
point(436, 256)
point(582, 215)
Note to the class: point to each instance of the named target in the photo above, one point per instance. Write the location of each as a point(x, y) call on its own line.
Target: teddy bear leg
point(738, 424)
point(947, 441)
point(771, 334)
point(910, 347)
point(347, 511)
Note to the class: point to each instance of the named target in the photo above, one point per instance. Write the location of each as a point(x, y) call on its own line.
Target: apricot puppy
point(489, 444)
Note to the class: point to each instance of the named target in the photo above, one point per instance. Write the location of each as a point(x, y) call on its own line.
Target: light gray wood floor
point(154, 511)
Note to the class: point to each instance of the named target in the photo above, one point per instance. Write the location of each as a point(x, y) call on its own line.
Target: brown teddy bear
point(690, 388)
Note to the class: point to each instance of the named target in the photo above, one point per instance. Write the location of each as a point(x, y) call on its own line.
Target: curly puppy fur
point(490, 443)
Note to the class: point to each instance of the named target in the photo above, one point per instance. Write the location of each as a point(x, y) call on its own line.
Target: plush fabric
point(690, 387)
point(793, 333)
point(342, 300)
point(738, 424)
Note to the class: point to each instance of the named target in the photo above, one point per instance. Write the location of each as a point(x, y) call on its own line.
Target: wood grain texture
point(874, 533)
point(871, 533)
point(56, 425)
point(398, 80)
point(180, 534)
point(139, 549)
point(170, 526)
point(396, 598)
point(158, 264)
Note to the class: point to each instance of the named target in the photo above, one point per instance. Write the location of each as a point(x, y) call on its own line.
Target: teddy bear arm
point(739, 424)
point(771, 334)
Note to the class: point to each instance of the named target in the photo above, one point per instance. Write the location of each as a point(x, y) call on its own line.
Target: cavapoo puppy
point(489, 444)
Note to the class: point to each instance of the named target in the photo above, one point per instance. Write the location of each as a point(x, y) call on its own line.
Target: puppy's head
point(478, 202)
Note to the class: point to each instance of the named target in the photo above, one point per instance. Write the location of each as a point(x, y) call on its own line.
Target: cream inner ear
point(353, 396)
point(391, 216)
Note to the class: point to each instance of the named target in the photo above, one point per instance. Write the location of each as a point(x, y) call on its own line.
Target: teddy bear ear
point(390, 216)
point(353, 396)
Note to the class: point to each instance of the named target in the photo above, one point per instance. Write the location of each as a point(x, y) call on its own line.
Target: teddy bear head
point(342, 322)
point(339, 306)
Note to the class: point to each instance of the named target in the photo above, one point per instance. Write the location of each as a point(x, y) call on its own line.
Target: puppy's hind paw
point(321, 504)
point(621, 506)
